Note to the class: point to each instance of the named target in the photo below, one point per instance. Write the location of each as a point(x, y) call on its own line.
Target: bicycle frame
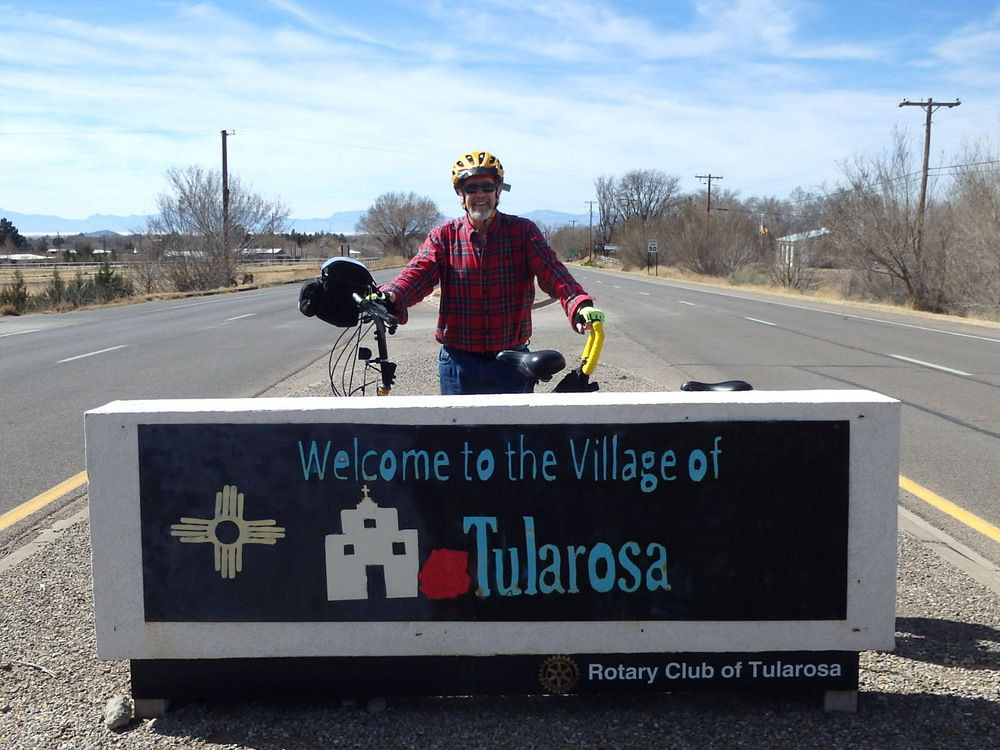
point(348, 352)
point(385, 325)
point(386, 368)
point(578, 379)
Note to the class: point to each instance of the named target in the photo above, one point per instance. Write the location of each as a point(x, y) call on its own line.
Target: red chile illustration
point(445, 575)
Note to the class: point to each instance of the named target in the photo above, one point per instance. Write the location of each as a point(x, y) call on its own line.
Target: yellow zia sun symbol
point(228, 532)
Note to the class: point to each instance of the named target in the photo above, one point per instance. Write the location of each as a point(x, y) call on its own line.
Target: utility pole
point(929, 106)
point(708, 203)
point(225, 195)
point(591, 203)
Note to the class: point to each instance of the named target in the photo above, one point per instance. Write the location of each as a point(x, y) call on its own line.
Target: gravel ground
point(939, 689)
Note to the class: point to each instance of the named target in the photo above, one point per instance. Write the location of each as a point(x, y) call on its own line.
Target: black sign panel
point(519, 674)
point(351, 522)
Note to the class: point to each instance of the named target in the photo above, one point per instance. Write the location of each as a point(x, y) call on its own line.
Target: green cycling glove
point(585, 315)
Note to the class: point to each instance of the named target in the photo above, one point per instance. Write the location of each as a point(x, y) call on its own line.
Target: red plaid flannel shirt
point(487, 281)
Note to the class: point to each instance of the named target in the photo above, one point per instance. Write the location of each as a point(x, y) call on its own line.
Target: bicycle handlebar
point(377, 310)
point(592, 349)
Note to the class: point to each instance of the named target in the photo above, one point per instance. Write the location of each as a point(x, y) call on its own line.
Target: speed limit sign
point(651, 246)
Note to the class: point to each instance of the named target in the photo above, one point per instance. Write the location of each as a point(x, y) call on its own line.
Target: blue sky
point(335, 102)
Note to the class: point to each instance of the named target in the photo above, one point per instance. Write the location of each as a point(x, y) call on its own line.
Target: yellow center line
point(950, 508)
point(13, 516)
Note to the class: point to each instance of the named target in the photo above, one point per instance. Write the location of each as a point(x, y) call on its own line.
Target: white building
point(795, 249)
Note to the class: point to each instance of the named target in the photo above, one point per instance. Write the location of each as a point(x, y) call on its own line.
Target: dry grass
point(828, 288)
point(38, 279)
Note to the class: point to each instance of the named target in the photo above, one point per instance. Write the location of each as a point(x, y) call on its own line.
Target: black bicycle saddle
point(725, 385)
point(537, 366)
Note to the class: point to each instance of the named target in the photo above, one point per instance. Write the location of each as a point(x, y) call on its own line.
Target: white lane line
point(839, 313)
point(240, 317)
point(762, 322)
point(852, 316)
point(931, 365)
point(689, 304)
point(18, 333)
point(91, 354)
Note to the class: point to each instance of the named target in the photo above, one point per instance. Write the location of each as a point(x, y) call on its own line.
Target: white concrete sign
point(596, 523)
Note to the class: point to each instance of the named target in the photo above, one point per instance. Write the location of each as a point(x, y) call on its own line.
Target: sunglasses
point(471, 188)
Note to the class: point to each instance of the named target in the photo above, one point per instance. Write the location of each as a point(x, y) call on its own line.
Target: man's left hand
point(585, 317)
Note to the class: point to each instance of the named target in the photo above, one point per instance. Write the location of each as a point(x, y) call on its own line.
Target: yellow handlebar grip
point(592, 349)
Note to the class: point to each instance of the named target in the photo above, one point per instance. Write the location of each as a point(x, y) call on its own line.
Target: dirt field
point(829, 287)
point(38, 278)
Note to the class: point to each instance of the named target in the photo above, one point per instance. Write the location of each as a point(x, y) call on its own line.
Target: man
point(486, 263)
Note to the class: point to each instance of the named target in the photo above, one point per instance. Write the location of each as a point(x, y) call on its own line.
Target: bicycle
point(341, 297)
point(540, 366)
point(338, 297)
point(381, 324)
point(375, 319)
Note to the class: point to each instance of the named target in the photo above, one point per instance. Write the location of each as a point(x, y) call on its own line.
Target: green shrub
point(55, 293)
point(110, 285)
point(15, 295)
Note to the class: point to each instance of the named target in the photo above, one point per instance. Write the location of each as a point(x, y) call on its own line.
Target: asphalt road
point(945, 372)
point(55, 367)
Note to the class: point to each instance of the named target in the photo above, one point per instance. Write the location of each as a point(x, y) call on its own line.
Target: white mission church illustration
point(371, 541)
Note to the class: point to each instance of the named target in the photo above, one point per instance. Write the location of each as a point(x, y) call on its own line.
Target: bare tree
point(200, 252)
point(974, 264)
point(607, 216)
point(399, 222)
point(715, 242)
point(147, 267)
point(571, 242)
point(640, 195)
point(873, 217)
point(645, 194)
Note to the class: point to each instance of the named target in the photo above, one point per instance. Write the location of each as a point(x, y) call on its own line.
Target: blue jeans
point(465, 373)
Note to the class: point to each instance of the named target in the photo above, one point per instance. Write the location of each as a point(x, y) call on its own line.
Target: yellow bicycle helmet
point(477, 162)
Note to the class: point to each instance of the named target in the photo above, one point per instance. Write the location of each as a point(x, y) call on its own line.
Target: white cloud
point(334, 104)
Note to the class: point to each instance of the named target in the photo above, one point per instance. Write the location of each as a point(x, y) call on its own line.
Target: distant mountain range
point(338, 223)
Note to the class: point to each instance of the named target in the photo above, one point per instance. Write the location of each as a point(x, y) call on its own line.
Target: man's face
point(479, 196)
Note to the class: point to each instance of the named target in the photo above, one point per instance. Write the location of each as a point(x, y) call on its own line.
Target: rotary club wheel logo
point(559, 675)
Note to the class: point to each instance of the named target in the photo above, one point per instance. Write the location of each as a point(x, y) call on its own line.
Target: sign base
point(520, 674)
